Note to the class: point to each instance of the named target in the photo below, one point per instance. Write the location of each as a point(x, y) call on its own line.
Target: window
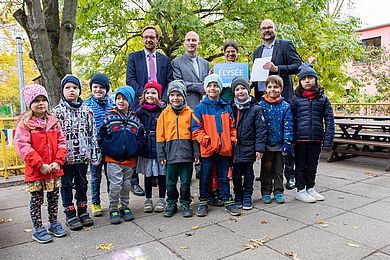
point(372, 42)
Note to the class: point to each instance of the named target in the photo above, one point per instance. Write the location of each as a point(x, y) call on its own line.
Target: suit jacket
point(288, 61)
point(184, 70)
point(137, 73)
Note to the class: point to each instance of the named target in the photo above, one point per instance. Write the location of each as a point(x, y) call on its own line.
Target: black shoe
point(72, 221)
point(126, 214)
point(186, 210)
point(216, 201)
point(170, 210)
point(137, 190)
point(84, 217)
point(290, 184)
point(115, 217)
point(232, 208)
point(257, 179)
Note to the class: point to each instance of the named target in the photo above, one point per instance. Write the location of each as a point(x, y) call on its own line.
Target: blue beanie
point(127, 91)
point(213, 78)
point(101, 79)
point(306, 69)
point(72, 79)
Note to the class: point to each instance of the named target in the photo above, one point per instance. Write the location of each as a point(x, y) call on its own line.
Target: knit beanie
point(240, 81)
point(178, 86)
point(306, 69)
point(154, 84)
point(213, 78)
point(101, 79)
point(72, 79)
point(32, 91)
point(127, 91)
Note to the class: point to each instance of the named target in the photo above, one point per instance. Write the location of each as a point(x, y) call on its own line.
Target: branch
point(212, 57)
point(139, 6)
point(21, 17)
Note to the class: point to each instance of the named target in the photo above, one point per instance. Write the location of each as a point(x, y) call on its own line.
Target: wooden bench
point(344, 148)
point(368, 135)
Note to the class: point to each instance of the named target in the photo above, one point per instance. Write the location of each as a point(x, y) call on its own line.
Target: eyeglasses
point(148, 37)
point(266, 28)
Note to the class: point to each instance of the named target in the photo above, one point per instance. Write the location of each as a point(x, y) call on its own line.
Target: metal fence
point(369, 109)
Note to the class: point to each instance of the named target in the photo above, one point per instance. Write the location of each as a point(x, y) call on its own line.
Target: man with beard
point(285, 62)
point(142, 66)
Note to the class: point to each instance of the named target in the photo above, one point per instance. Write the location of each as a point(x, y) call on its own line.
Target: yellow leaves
point(321, 222)
point(352, 245)
point(3, 220)
point(87, 228)
point(28, 230)
point(193, 230)
point(293, 255)
point(183, 247)
point(104, 246)
point(255, 243)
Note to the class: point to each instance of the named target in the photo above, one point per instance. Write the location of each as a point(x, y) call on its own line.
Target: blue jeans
point(96, 178)
point(75, 175)
point(222, 163)
point(243, 190)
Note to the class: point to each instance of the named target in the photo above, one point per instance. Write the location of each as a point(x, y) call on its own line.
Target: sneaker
point(160, 205)
point(312, 192)
point(56, 229)
point(279, 198)
point(302, 195)
point(41, 236)
point(216, 201)
point(232, 208)
point(126, 214)
point(290, 184)
point(83, 215)
point(247, 204)
point(137, 190)
point(96, 210)
point(148, 206)
point(170, 210)
point(266, 199)
point(202, 210)
point(238, 203)
point(115, 217)
point(186, 210)
point(72, 221)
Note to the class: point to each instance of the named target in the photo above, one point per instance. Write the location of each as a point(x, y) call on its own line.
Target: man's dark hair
point(230, 44)
point(152, 28)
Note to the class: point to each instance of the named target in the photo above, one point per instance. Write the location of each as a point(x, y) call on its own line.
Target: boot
point(186, 209)
point(84, 217)
point(72, 221)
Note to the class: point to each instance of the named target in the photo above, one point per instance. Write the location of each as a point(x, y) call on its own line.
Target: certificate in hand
point(258, 73)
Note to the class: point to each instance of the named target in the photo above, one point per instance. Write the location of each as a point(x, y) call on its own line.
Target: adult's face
point(267, 31)
point(191, 43)
point(230, 54)
point(149, 38)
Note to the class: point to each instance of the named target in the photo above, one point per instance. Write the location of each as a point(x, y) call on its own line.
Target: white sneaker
point(302, 195)
point(315, 194)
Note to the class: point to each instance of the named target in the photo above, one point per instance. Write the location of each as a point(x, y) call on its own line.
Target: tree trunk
point(51, 43)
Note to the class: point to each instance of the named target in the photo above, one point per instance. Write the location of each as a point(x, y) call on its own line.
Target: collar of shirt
point(271, 46)
point(147, 53)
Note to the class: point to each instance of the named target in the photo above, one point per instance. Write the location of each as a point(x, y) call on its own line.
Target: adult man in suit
point(285, 61)
point(148, 64)
point(192, 69)
point(143, 66)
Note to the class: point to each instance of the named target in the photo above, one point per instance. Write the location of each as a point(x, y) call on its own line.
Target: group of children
point(164, 141)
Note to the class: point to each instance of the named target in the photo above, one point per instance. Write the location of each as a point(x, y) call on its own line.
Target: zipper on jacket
point(177, 126)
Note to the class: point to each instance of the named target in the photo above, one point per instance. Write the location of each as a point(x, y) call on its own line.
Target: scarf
point(103, 102)
point(149, 107)
point(270, 100)
point(179, 108)
point(242, 105)
point(75, 104)
point(309, 94)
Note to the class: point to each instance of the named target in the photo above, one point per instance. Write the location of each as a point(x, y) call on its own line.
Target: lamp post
point(19, 53)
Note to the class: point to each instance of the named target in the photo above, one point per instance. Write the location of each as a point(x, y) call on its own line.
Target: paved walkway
point(352, 223)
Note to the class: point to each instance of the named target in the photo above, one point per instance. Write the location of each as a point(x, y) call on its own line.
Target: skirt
point(45, 185)
point(150, 167)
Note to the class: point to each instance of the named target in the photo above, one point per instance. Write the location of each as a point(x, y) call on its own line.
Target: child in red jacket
point(42, 145)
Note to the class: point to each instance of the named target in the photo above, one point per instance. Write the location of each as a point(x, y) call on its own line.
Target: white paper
point(258, 73)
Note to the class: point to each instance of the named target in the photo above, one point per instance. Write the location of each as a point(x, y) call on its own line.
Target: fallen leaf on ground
point(292, 255)
point(371, 174)
point(104, 246)
point(320, 222)
point(28, 230)
point(352, 245)
point(183, 247)
point(255, 243)
point(195, 227)
point(264, 222)
point(341, 197)
point(87, 228)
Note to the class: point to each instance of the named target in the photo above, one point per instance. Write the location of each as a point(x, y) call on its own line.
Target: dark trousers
point(134, 178)
point(307, 155)
point(174, 171)
point(289, 163)
point(271, 174)
point(162, 183)
point(75, 177)
point(222, 163)
point(243, 190)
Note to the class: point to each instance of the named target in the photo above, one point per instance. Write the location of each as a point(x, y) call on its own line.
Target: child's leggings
point(36, 203)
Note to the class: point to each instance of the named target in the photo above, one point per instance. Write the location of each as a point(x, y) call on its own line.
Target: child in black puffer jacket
point(312, 110)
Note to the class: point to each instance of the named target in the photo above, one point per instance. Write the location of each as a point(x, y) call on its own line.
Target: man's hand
point(270, 66)
point(45, 168)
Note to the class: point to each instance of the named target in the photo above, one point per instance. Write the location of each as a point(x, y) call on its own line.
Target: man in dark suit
point(148, 64)
point(143, 66)
point(285, 61)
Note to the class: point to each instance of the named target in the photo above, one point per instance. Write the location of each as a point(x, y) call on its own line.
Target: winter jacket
point(99, 112)
point(78, 125)
point(251, 132)
point(149, 121)
point(175, 141)
point(213, 127)
point(39, 144)
point(309, 116)
point(121, 137)
point(279, 123)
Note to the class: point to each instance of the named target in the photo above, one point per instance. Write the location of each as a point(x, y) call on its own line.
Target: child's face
point(71, 91)
point(39, 106)
point(121, 103)
point(98, 91)
point(273, 90)
point(176, 99)
point(241, 93)
point(151, 96)
point(212, 90)
point(308, 83)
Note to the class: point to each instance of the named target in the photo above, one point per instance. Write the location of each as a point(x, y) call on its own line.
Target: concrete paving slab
point(385, 182)
point(352, 175)
point(18, 215)
point(379, 210)
point(120, 236)
point(153, 250)
point(213, 242)
point(15, 234)
point(386, 250)
point(366, 190)
point(331, 182)
point(308, 213)
point(262, 252)
point(346, 201)
point(365, 230)
point(378, 256)
point(314, 243)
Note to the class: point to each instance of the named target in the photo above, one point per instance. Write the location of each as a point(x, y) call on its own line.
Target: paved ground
point(352, 223)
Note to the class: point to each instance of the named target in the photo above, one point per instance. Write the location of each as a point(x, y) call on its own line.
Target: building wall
point(382, 31)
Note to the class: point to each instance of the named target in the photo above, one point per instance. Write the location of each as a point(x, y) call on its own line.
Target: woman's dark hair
point(230, 44)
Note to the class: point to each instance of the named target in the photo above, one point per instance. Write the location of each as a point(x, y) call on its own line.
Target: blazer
point(287, 59)
point(184, 70)
point(137, 74)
